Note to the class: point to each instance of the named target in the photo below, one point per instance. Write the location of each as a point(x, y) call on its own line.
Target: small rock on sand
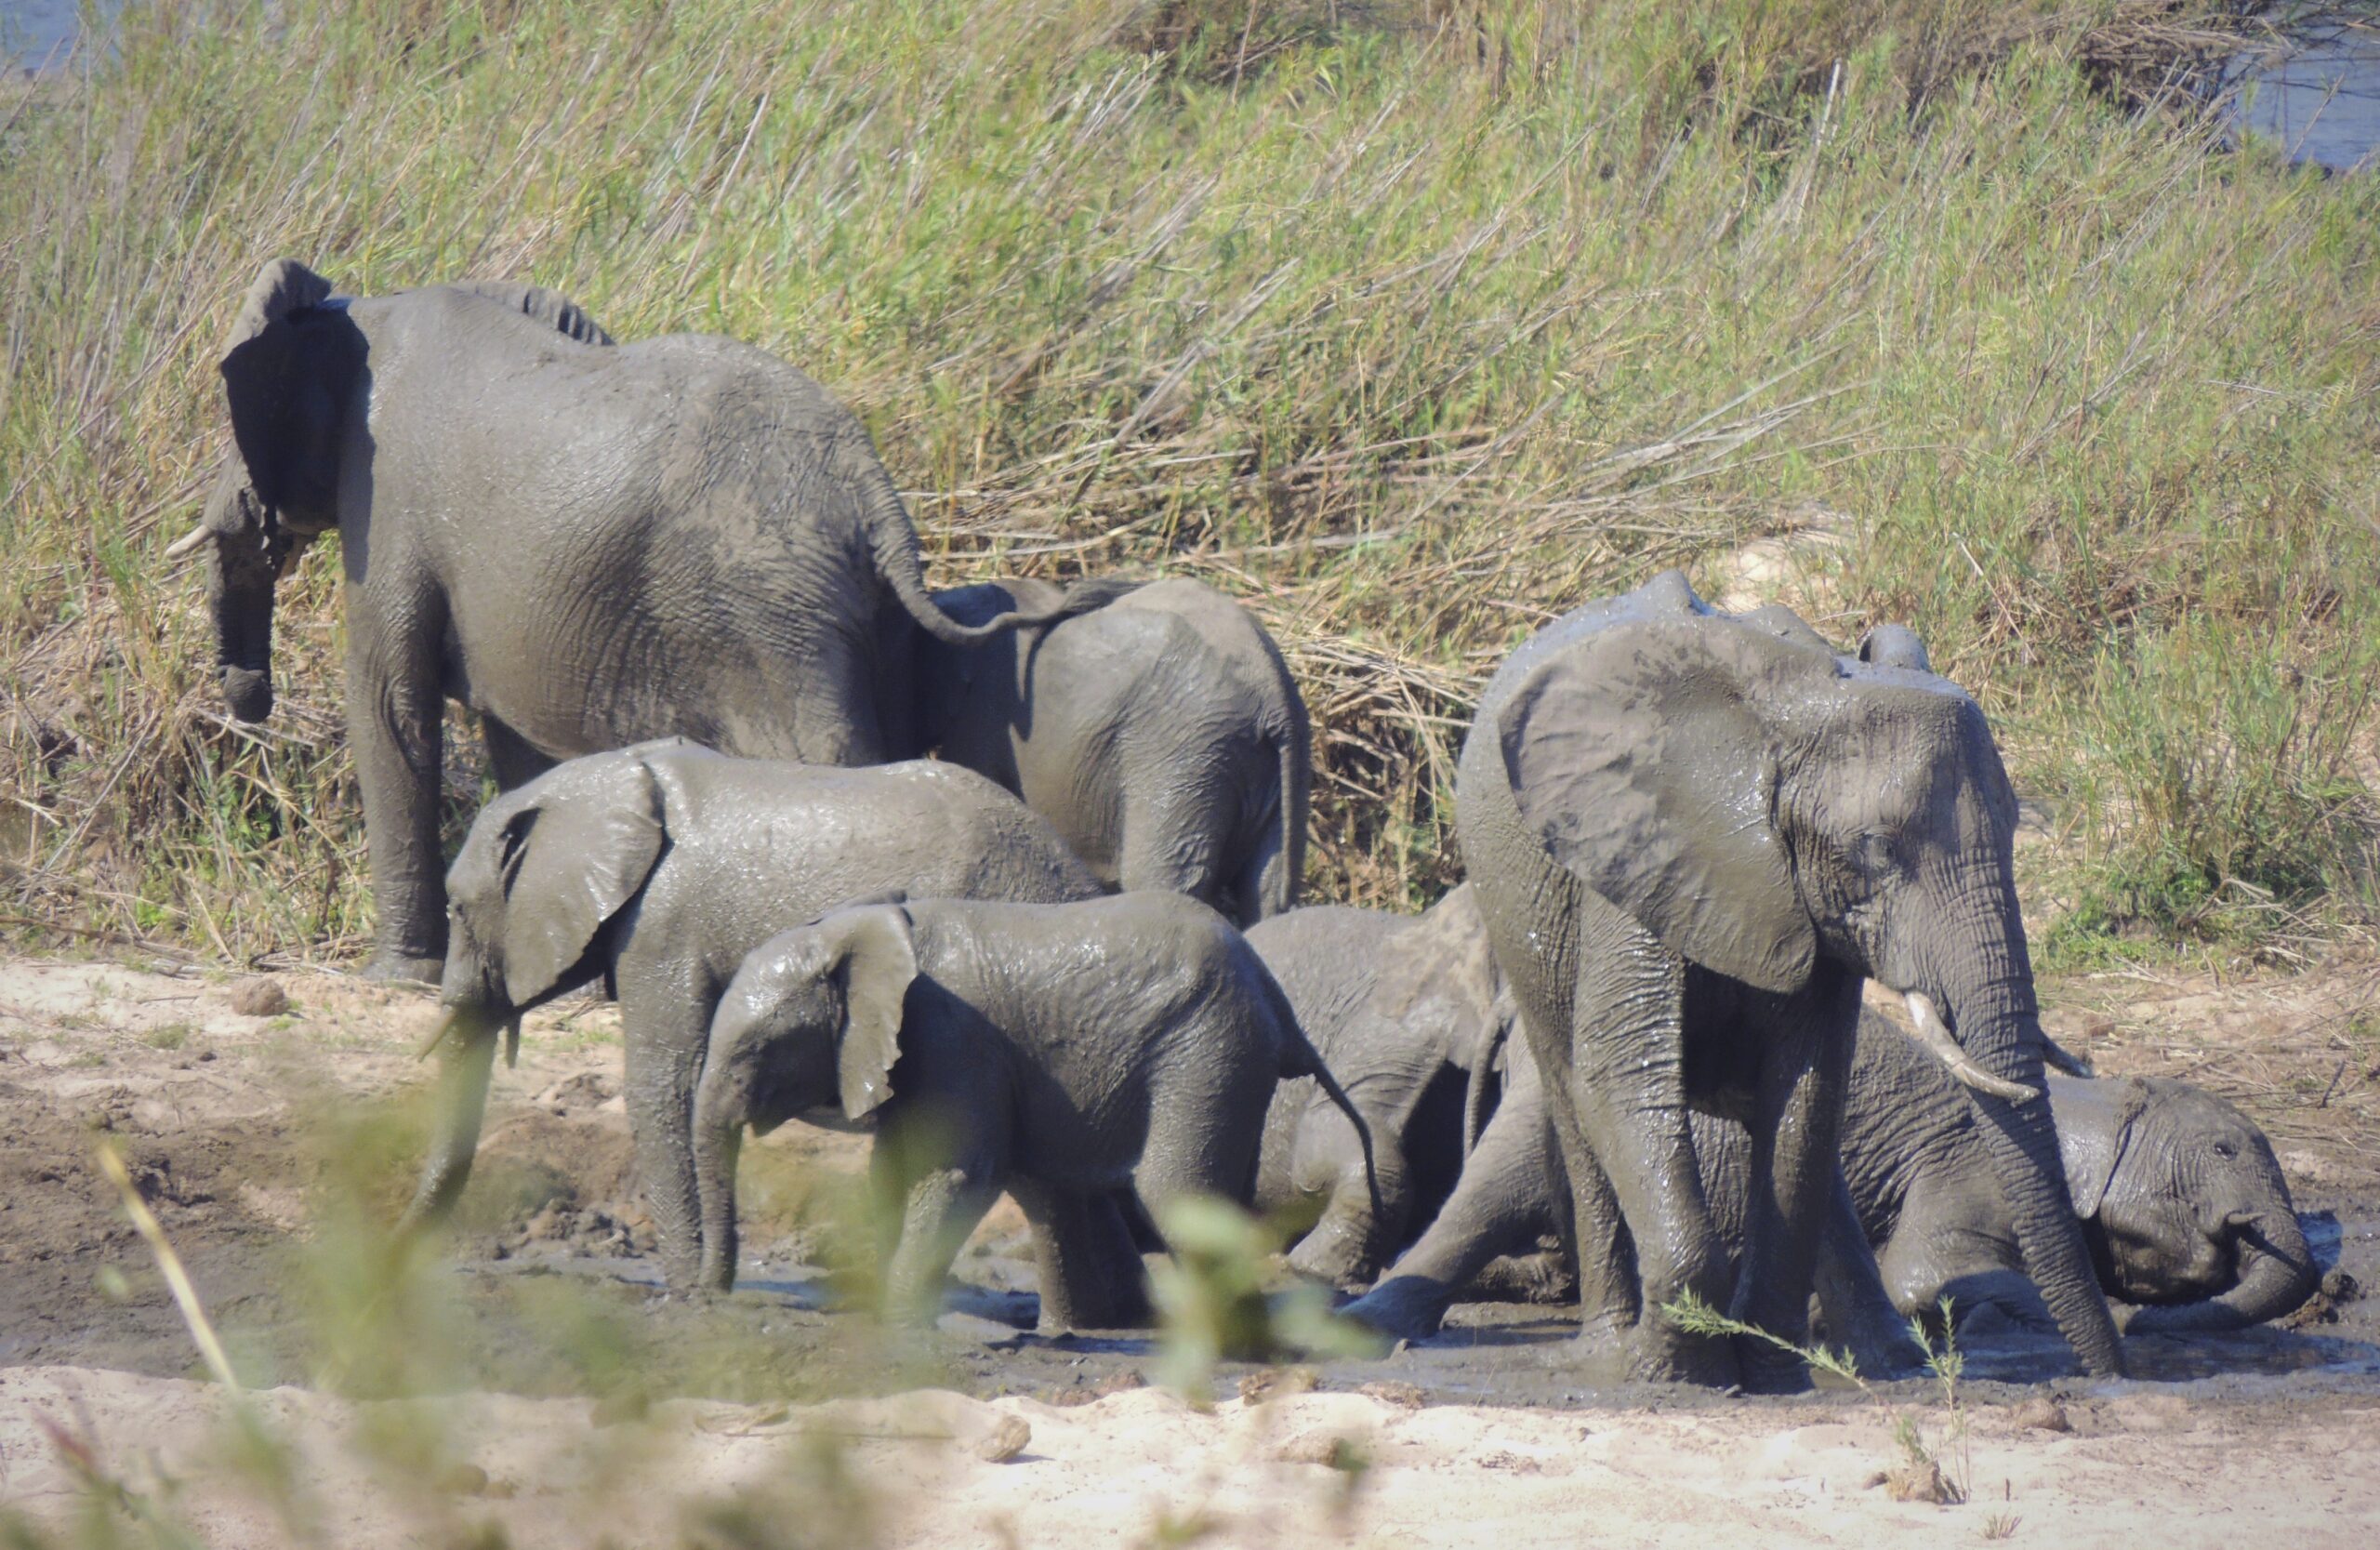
point(260, 996)
point(2043, 1413)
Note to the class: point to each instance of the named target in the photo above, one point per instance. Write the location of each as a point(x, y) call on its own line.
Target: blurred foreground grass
point(1412, 323)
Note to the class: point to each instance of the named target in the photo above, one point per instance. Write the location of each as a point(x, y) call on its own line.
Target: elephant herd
point(1626, 1061)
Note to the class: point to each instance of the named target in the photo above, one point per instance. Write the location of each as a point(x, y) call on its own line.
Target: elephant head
point(545, 869)
point(2188, 1209)
point(287, 369)
point(813, 1017)
point(1756, 802)
point(291, 369)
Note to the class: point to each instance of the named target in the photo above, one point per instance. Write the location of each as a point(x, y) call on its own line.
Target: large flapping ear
point(261, 373)
point(2094, 1128)
point(1642, 756)
point(876, 962)
point(570, 859)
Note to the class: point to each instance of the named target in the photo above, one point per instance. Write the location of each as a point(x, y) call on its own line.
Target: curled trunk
point(2276, 1274)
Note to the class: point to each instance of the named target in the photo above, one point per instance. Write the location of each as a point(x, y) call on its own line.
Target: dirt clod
point(1920, 1481)
point(464, 1479)
point(260, 996)
point(1273, 1382)
point(2043, 1413)
point(1328, 1448)
point(1122, 1380)
point(1389, 1391)
point(1004, 1441)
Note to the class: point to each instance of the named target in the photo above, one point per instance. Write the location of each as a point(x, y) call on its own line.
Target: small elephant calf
point(1162, 735)
point(1060, 1052)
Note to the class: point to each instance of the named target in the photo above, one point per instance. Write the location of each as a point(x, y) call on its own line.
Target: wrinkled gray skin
point(657, 870)
point(1162, 735)
point(2179, 1195)
point(589, 545)
point(1414, 1017)
point(1691, 837)
point(2184, 1208)
point(1060, 1052)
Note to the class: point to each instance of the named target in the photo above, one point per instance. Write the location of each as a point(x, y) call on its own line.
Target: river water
point(2320, 98)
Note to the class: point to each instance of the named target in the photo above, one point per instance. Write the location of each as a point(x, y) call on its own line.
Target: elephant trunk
point(2276, 1274)
point(239, 596)
point(719, 1139)
point(1996, 1022)
point(467, 1063)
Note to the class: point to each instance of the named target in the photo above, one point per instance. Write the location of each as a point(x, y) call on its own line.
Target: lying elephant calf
point(1060, 1052)
point(2184, 1208)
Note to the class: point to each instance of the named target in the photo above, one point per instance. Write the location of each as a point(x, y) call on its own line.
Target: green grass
point(1412, 324)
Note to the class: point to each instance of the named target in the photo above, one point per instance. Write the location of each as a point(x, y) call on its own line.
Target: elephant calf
point(1162, 735)
point(2185, 1211)
point(657, 868)
point(1058, 1052)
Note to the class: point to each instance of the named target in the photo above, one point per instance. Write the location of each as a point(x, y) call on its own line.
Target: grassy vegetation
point(1412, 324)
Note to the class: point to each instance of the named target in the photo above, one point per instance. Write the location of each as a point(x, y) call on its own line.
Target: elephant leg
point(1859, 1313)
point(393, 726)
point(1795, 1128)
point(1508, 1194)
point(1345, 1245)
point(1083, 1255)
point(666, 1012)
point(942, 1207)
point(1168, 846)
point(510, 757)
point(1623, 1068)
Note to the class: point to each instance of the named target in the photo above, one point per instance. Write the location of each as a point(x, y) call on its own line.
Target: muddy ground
point(262, 1135)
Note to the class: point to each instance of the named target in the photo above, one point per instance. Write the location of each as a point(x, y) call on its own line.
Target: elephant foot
point(1334, 1258)
point(1706, 1361)
point(1404, 1307)
point(1767, 1370)
point(396, 968)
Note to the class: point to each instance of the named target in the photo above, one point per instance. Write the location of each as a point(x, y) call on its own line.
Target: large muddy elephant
point(1162, 735)
point(1060, 1053)
point(656, 869)
point(1691, 838)
point(589, 545)
point(2187, 1213)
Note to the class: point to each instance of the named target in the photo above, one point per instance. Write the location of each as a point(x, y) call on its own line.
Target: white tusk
point(1934, 1037)
point(187, 542)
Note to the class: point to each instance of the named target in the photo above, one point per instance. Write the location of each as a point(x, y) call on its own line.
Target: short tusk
point(187, 543)
point(446, 1027)
point(1934, 1037)
point(2065, 1059)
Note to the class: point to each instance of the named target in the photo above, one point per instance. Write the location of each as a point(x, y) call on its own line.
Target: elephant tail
point(468, 1062)
point(892, 540)
point(1300, 1058)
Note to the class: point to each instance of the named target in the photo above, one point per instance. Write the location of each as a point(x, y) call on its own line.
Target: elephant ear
point(268, 383)
point(1641, 759)
point(570, 861)
point(2096, 1123)
point(876, 962)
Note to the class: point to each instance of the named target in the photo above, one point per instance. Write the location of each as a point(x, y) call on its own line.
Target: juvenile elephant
point(656, 868)
point(1691, 838)
point(589, 545)
point(1058, 1052)
point(1162, 735)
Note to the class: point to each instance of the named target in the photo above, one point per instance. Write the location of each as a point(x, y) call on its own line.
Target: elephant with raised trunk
point(1162, 735)
point(1060, 1053)
point(1692, 837)
point(655, 869)
point(589, 545)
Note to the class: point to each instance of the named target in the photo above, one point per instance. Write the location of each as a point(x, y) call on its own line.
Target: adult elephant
point(589, 545)
point(1691, 837)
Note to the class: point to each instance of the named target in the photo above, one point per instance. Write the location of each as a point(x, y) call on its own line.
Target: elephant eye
point(1877, 852)
point(2226, 1150)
